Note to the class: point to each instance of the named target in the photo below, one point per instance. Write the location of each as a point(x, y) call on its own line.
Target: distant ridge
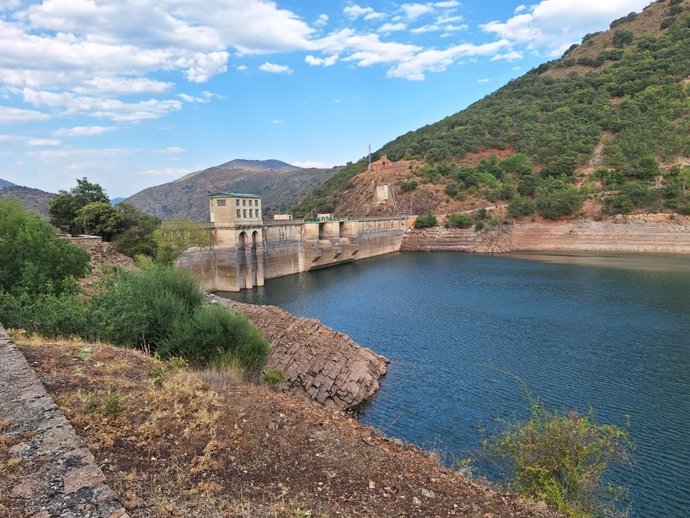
point(33, 199)
point(280, 185)
point(5, 183)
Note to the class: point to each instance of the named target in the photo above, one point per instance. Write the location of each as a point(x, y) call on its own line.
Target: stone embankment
point(326, 365)
point(650, 234)
point(47, 471)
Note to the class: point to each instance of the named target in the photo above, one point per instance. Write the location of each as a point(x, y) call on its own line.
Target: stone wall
point(53, 474)
point(326, 365)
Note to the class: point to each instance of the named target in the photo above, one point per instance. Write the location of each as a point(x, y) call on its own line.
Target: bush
point(452, 190)
point(140, 306)
point(49, 315)
point(558, 203)
point(622, 38)
point(520, 206)
point(560, 459)
point(33, 259)
point(408, 186)
point(273, 376)
point(425, 221)
point(213, 332)
point(459, 221)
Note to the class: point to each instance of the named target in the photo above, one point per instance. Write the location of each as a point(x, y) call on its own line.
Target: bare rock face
point(328, 366)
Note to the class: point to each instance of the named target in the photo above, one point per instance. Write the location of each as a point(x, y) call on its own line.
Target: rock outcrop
point(326, 365)
point(47, 471)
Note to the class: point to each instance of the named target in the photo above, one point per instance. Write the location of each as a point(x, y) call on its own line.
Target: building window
point(244, 213)
point(244, 203)
point(237, 202)
point(238, 213)
point(220, 203)
point(256, 203)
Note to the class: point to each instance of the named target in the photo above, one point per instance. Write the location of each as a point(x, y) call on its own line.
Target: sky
point(135, 93)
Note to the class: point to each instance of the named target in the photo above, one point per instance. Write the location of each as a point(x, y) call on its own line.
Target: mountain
point(5, 183)
point(33, 199)
point(115, 201)
point(604, 129)
point(280, 185)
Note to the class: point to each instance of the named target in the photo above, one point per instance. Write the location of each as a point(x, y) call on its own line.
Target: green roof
point(234, 195)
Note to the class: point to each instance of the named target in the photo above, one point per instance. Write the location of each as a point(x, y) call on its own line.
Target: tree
point(136, 237)
point(176, 235)
point(100, 219)
point(622, 38)
point(518, 164)
point(425, 221)
point(64, 207)
point(32, 259)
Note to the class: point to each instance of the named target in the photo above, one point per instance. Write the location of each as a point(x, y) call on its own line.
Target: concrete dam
point(246, 250)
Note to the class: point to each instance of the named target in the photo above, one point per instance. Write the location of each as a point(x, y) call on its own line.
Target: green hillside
point(609, 121)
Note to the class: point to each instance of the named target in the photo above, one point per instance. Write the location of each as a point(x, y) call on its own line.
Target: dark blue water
point(609, 332)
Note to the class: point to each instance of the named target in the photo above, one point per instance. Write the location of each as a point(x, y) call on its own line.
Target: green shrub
point(622, 38)
point(140, 306)
point(452, 190)
point(520, 206)
point(425, 221)
point(554, 204)
point(459, 221)
point(560, 459)
point(214, 332)
point(33, 259)
point(408, 186)
point(273, 376)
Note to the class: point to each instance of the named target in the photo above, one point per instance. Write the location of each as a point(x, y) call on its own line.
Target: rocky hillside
point(5, 183)
point(605, 130)
point(281, 186)
point(33, 199)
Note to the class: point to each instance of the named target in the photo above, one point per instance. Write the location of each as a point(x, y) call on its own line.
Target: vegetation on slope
point(623, 115)
point(157, 308)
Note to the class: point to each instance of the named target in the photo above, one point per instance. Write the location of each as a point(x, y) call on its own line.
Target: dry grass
point(173, 442)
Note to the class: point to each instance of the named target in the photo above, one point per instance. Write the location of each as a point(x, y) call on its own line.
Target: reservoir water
point(607, 332)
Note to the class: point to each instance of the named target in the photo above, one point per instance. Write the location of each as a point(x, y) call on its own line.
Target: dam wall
point(244, 256)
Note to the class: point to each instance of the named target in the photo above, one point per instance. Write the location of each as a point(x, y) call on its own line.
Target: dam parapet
point(247, 250)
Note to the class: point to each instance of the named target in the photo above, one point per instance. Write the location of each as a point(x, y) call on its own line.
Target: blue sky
point(134, 93)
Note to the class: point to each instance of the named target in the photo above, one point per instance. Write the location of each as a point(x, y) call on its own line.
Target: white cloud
point(242, 68)
point(541, 26)
point(41, 142)
point(322, 20)
point(355, 11)
point(274, 68)
point(172, 150)
point(323, 62)
point(447, 5)
point(414, 11)
point(10, 115)
point(277, 121)
point(513, 55)
point(483, 80)
point(84, 131)
point(392, 27)
point(416, 66)
point(205, 97)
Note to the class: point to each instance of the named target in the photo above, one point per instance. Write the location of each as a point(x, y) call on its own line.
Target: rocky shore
point(326, 365)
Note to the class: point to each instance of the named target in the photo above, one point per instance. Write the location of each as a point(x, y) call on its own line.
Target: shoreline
point(631, 234)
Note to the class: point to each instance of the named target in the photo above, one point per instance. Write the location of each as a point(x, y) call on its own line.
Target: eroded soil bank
point(174, 443)
point(652, 233)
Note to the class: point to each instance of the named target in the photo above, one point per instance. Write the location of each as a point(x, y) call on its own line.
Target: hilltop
point(281, 186)
point(33, 199)
point(603, 130)
point(5, 183)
